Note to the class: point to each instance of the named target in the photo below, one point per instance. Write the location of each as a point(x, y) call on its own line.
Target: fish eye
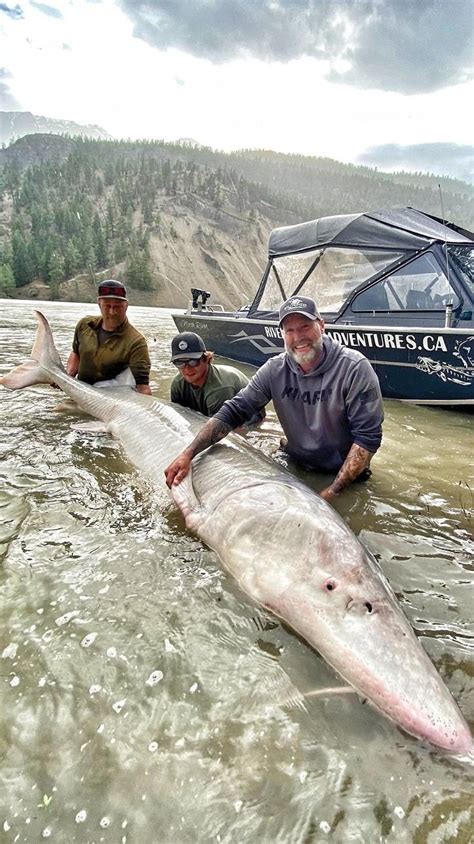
point(330, 584)
point(368, 606)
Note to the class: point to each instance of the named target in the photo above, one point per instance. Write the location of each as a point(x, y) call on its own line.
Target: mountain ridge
point(17, 124)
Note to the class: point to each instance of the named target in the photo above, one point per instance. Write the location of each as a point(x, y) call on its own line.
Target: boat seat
point(419, 300)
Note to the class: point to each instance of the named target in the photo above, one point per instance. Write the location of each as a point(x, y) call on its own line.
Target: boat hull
point(428, 365)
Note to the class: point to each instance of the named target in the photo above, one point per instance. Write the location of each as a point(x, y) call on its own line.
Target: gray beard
point(307, 357)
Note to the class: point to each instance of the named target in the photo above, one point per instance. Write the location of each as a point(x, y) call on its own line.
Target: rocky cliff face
point(225, 257)
point(221, 254)
point(16, 124)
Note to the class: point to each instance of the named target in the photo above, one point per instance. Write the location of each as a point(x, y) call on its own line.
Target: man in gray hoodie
point(327, 398)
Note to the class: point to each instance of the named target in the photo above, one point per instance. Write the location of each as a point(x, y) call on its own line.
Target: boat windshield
point(420, 285)
point(464, 259)
point(331, 275)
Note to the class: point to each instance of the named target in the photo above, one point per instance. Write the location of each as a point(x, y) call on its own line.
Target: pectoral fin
point(94, 427)
point(66, 406)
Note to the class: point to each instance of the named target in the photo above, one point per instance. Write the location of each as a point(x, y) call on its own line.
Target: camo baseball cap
point(299, 305)
point(187, 346)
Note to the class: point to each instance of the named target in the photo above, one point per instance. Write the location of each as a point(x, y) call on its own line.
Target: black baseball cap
point(112, 290)
point(187, 346)
point(299, 305)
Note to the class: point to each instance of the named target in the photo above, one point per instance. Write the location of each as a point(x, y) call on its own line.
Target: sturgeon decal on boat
point(447, 372)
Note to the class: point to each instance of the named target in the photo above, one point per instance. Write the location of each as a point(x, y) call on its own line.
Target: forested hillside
point(166, 217)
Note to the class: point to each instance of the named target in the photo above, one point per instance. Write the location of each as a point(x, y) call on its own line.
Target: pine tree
point(110, 222)
point(138, 270)
point(99, 242)
point(56, 267)
point(22, 264)
point(72, 259)
point(7, 279)
point(56, 273)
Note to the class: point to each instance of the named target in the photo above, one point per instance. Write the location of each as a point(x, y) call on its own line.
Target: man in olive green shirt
point(106, 345)
point(201, 384)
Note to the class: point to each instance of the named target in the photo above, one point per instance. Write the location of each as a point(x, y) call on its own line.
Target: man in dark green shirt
point(201, 384)
point(106, 345)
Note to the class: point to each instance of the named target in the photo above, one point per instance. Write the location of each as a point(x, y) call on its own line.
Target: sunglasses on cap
point(105, 290)
point(191, 362)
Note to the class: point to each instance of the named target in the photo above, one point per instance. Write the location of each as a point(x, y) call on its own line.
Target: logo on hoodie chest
point(307, 396)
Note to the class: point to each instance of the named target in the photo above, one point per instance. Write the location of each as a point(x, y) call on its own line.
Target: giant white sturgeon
point(286, 547)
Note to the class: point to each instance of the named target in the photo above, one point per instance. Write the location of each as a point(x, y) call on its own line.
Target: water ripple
point(142, 691)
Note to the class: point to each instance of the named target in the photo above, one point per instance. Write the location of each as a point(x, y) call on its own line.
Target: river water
point(145, 699)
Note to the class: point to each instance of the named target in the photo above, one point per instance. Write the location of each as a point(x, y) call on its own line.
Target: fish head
point(304, 564)
point(356, 622)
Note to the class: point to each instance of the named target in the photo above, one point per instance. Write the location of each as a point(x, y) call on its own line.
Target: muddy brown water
point(145, 699)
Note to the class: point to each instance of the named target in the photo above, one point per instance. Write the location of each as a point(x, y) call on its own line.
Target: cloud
point(50, 11)
point(7, 101)
point(408, 46)
point(447, 159)
point(412, 46)
point(14, 12)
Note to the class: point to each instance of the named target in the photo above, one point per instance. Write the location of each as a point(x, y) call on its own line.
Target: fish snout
point(357, 606)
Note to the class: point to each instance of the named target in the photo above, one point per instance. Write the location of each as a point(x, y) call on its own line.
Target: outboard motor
point(199, 294)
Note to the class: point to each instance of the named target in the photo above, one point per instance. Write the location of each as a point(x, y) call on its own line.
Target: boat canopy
point(395, 228)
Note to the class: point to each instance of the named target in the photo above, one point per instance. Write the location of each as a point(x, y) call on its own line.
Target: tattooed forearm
point(356, 461)
point(211, 433)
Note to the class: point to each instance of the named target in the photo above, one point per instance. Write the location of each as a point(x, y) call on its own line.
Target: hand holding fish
point(210, 433)
point(327, 494)
point(179, 468)
point(355, 467)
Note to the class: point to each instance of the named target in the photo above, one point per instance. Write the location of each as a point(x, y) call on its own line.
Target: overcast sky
point(381, 82)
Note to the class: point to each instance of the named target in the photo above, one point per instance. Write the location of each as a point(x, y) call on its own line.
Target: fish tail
point(44, 361)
